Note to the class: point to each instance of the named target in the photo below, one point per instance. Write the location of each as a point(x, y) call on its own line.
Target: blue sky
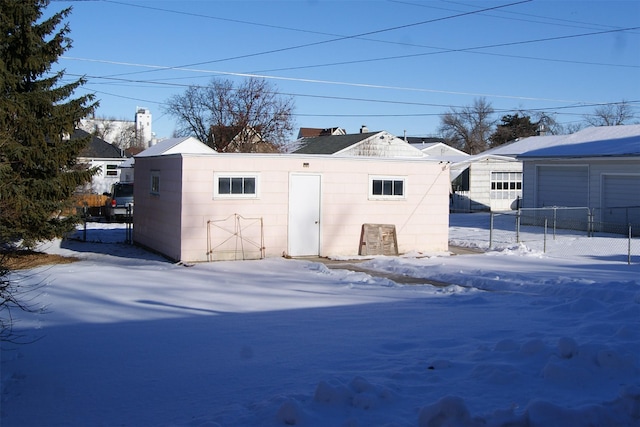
point(392, 65)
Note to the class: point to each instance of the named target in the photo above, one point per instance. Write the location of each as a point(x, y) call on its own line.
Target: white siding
point(382, 144)
point(480, 184)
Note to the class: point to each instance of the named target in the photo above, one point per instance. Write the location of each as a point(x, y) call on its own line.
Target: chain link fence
point(579, 231)
point(97, 229)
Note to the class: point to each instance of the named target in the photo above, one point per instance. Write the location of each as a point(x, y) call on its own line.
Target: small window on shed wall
point(155, 182)
point(235, 185)
point(387, 187)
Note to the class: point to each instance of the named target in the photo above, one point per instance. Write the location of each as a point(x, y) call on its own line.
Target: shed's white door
point(304, 215)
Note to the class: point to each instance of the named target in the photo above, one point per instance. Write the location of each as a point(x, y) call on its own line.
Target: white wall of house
point(109, 173)
point(482, 195)
point(382, 144)
point(440, 150)
point(186, 218)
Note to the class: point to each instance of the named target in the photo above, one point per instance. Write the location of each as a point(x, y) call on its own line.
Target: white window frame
point(391, 178)
point(154, 182)
point(111, 171)
point(216, 185)
point(508, 178)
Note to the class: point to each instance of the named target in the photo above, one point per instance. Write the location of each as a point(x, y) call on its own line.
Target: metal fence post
point(84, 221)
point(518, 227)
point(491, 231)
point(629, 247)
point(555, 220)
point(544, 250)
point(129, 224)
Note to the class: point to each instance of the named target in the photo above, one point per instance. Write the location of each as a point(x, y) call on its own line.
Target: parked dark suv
point(120, 201)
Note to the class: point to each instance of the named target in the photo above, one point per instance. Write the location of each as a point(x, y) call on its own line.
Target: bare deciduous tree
point(468, 128)
point(610, 115)
point(249, 117)
point(120, 133)
point(125, 137)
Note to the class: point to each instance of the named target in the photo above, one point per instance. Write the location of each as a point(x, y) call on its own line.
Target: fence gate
point(235, 238)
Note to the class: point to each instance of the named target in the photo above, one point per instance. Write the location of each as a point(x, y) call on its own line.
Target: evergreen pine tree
point(38, 168)
point(511, 128)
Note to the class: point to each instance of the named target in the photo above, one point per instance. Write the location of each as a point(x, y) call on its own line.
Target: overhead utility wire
point(473, 49)
point(317, 81)
point(340, 38)
point(577, 104)
point(544, 19)
point(369, 39)
point(497, 111)
point(257, 24)
point(371, 85)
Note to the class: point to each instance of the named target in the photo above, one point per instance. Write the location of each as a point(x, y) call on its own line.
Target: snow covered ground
point(520, 338)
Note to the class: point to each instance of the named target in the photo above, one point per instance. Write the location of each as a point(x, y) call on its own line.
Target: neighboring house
point(437, 149)
point(243, 140)
point(126, 170)
point(103, 155)
point(486, 183)
point(213, 206)
point(492, 180)
point(598, 168)
point(372, 144)
point(183, 145)
point(168, 146)
point(313, 132)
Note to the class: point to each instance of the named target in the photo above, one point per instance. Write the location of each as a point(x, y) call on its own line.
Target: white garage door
point(619, 193)
point(562, 186)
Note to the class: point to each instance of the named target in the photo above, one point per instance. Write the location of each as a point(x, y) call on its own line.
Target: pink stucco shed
point(202, 207)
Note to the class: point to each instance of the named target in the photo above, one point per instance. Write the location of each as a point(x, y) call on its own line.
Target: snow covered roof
point(127, 163)
point(591, 134)
point(605, 141)
point(523, 145)
point(464, 162)
point(184, 145)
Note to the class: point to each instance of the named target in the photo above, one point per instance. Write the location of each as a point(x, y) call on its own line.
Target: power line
point(340, 38)
point(561, 22)
point(316, 81)
point(361, 36)
point(575, 104)
point(471, 50)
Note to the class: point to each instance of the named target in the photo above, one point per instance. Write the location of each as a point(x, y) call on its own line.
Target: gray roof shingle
point(331, 144)
point(97, 147)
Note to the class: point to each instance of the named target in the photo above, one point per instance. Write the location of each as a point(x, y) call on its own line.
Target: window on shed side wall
point(387, 187)
point(235, 185)
point(155, 182)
